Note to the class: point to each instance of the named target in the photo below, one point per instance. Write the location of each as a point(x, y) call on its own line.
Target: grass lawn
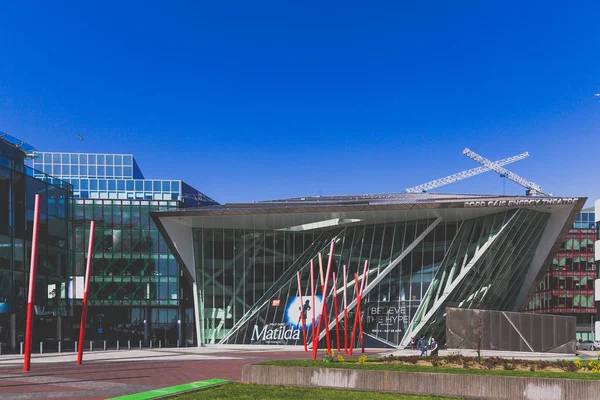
point(245, 391)
point(374, 364)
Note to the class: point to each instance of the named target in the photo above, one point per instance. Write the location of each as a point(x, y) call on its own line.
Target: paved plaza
point(106, 374)
point(115, 373)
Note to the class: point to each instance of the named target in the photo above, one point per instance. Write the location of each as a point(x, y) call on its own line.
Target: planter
point(423, 383)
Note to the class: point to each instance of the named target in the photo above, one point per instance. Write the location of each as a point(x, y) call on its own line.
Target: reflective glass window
point(47, 158)
point(83, 169)
point(64, 170)
point(74, 159)
point(130, 184)
point(83, 158)
point(174, 186)
point(118, 160)
point(92, 170)
point(65, 158)
point(56, 158)
point(56, 170)
point(100, 159)
point(112, 185)
point(120, 185)
point(102, 184)
point(127, 172)
point(118, 172)
point(84, 184)
point(148, 186)
point(109, 159)
point(127, 160)
point(91, 159)
point(93, 184)
point(100, 170)
point(74, 170)
point(156, 186)
point(139, 185)
point(109, 171)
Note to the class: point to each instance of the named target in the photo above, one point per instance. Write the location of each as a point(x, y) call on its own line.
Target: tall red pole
point(324, 310)
point(31, 294)
point(312, 293)
point(357, 314)
point(88, 272)
point(335, 306)
point(302, 314)
point(362, 289)
point(345, 314)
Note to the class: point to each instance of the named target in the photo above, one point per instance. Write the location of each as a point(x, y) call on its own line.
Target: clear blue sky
point(260, 100)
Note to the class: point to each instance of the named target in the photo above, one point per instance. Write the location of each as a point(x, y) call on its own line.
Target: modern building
point(426, 252)
point(567, 287)
point(137, 289)
point(18, 186)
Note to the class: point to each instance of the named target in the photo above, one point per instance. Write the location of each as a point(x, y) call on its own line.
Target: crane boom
point(462, 175)
point(533, 188)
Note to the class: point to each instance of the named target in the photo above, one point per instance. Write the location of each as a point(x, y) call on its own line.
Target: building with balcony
point(567, 287)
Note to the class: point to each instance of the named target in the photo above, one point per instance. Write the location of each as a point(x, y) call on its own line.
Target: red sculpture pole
point(312, 293)
point(345, 315)
point(362, 289)
point(324, 311)
point(335, 306)
point(31, 294)
point(302, 314)
point(356, 316)
point(88, 272)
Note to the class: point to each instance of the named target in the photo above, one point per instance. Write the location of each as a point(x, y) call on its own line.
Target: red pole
point(362, 289)
point(302, 315)
point(88, 272)
point(335, 306)
point(345, 315)
point(356, 316)
point(31, 294)
point(324, 310)
point(312, 293)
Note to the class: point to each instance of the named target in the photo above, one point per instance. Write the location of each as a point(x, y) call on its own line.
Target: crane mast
point(463, 175)
point(533, 188)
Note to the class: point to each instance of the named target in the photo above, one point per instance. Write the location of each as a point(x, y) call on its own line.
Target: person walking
point(434, 347)
point(422, 345)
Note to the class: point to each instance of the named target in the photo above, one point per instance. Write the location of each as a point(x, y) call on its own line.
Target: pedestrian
point(413, 344)
point(422, 345)
point(434, 347)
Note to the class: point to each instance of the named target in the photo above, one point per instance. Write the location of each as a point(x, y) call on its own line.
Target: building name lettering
point(522, 202)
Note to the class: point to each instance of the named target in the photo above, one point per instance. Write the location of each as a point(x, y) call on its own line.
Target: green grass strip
point(171, 390)
point(384, 366)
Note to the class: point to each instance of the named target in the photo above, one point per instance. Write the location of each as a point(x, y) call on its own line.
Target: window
point(127, 160)
point(65, 158)
point(92, 159)
point(109, 159)
point(127, 172)
point(74, 159)
point(92, 171)
point(100, 159)
point(83, 159)
point(118, 160)
point(109, 171)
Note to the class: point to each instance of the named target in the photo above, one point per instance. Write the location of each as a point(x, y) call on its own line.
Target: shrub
point(434, 361)
point(411, 359)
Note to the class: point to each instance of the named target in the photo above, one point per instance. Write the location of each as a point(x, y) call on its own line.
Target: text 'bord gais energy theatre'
point(425, 252)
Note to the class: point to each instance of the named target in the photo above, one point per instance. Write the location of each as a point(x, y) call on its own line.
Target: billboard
point(288, 330)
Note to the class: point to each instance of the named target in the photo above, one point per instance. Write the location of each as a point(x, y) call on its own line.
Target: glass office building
point(137, 290)
point(567, 287)
point(18, 186)
point(425, 252)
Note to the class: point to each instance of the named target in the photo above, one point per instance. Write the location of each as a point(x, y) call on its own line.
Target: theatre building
point(425, 252)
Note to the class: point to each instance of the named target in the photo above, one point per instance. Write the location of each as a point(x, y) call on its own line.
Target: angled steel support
point(441, 298)
point(387, 270)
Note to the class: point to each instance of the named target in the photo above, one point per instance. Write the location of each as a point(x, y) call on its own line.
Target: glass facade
point(248, 277)
point(568, 285)
point(114, 176)
point(18, 186)
point(136, 288)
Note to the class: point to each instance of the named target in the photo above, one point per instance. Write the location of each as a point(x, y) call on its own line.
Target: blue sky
point(260, 100)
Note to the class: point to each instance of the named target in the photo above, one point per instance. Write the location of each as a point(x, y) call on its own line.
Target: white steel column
point(197, 313)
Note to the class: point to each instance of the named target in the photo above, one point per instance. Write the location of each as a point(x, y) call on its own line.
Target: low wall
point(472, 386)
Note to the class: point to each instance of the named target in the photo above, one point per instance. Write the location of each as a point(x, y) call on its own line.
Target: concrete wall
point(470, 386)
